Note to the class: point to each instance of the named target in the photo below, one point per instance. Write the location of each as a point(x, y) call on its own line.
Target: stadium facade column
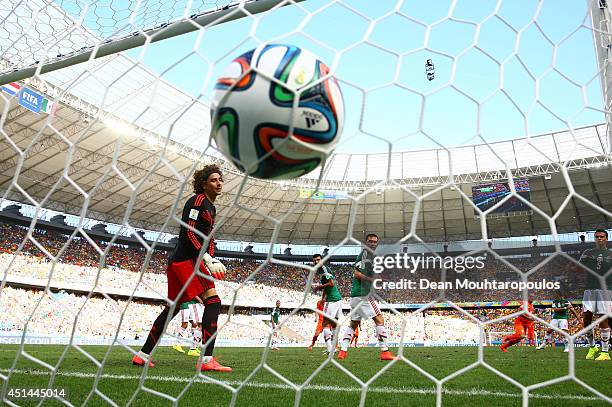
point(601, 17)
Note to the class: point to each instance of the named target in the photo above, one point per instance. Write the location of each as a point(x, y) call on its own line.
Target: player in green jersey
point(597, 300)
point(274, 317)
point(363, 306)
point(332, 301)
point(560, 309)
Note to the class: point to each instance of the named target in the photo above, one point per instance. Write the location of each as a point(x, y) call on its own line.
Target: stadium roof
point(136, 178)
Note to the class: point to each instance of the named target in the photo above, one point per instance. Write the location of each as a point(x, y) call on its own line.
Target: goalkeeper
point(199, 216)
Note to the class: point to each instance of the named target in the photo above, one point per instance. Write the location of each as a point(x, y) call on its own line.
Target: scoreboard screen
point(487, 195)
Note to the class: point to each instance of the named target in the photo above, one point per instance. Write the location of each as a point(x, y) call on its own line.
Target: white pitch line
point(387, 390)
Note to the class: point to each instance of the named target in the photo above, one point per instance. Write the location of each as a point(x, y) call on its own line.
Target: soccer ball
point(251, 113)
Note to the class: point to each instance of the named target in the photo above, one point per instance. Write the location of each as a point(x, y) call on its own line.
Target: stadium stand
point(98, 316)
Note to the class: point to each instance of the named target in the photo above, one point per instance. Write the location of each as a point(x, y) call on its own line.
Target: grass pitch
point(400, 384)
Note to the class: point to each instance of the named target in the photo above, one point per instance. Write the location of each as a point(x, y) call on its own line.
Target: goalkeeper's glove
point(216, 268)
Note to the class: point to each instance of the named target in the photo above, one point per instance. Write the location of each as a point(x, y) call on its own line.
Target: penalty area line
point(475, 391)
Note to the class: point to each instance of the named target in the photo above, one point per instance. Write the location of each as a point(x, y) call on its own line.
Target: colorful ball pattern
point(252, 113)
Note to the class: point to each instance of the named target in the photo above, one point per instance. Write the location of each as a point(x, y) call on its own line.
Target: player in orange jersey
point(523, 324)
point(319, 318)
point(531, 334)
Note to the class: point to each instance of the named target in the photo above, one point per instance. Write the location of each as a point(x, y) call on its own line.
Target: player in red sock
point(523, 324)
point(531, 334)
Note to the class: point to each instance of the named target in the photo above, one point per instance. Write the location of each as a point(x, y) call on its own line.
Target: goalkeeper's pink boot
point(137, 360)
point(214, 366)
point(386, 355)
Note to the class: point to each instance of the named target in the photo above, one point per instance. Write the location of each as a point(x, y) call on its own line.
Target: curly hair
point(201, 176)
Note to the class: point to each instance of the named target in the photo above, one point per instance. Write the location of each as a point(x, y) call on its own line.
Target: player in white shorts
point(597, 299)
point(191, 312)
point(333, 302)
point(195, 312)
point(363, 306)
point(560, 307)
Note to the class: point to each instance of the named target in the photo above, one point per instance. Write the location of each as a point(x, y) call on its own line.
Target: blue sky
point(464, 52)
point(491, 54)
point(475, 48)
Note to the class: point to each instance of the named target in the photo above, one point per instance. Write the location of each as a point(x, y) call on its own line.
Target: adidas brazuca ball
point(251, 114)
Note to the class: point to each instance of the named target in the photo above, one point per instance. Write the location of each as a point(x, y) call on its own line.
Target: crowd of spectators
point(56, 314)
point(556, 270)
point(145, 285)
point(122, 260)
point(79, 251)
point(248, 283)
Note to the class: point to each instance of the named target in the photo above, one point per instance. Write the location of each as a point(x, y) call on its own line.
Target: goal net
point(472, 130)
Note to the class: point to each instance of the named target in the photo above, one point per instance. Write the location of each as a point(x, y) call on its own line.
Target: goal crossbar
point(139, 38)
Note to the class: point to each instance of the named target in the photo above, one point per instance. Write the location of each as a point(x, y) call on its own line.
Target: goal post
point(601, 18)
point(159, 32)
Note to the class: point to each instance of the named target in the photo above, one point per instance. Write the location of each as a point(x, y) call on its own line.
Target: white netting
point(433, 94)
point(55, 30)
